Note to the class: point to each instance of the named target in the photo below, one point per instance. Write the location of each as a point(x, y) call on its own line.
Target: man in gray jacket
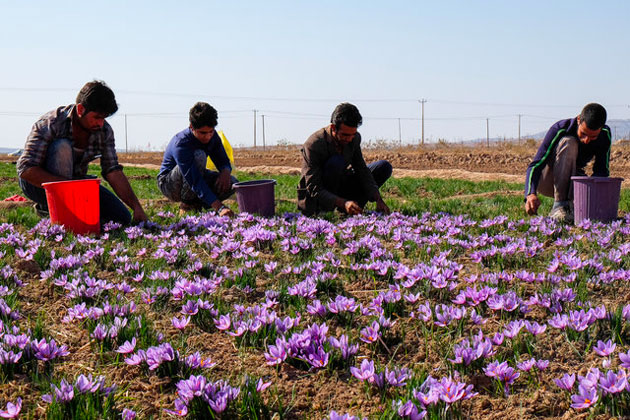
point(334, 173)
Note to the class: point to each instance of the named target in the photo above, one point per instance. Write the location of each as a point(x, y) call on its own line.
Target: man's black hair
point(348, 114)
point(96, 96)
point(203, 115)
point(594, 115)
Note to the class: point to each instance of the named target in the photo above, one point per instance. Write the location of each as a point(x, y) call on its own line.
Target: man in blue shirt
point(183, 176)
point(568, 146)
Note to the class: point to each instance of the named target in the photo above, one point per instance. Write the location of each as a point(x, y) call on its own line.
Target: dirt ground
point(476, 162)
point(506, 162)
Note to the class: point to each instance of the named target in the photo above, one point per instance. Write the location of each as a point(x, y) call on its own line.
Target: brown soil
point(504, 162)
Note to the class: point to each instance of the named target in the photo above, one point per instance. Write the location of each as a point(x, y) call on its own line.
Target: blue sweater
point(598, 148)
point(181, 152)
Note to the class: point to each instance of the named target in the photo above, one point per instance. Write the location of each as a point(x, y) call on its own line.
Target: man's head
point(203, 119)
point(344, 122)
point(94, 103)
point(590, 122)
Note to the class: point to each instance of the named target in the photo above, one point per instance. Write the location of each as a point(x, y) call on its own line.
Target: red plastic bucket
point(256, 197)
point(595, 198)
point(75, 204)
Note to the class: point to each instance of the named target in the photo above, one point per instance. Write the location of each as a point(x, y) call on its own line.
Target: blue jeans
point(59, 161)
point(175, 187)
point(345, 183)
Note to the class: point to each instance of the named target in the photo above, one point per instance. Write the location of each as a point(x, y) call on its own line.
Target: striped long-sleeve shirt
point(598, 149)
point(57, 124)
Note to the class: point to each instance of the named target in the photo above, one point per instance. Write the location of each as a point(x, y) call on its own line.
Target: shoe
point(41, 211)
point(187, 207)
point(562, 214)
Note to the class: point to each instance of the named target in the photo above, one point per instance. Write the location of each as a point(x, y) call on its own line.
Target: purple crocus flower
point(128, 414)
point(277, 353)
point(48, 351)
point(371, 333)
point(625, 359)
point(527, 365)
point(365, 372)
point(181, 409)
point(566, 382)
point(613, 383)
point(85, 384)
point(182, 323)
point(190, 308)
point(64, 393)
point(316, 308)
point(12, 410)
point(136, 359)
point(261, 385)
point(535, 328)
point(397, 377)
point(343, 344)
point(223, 323)
point(155, 356)
point(409, 410)
point(127, 347)
point(100, 332)
point(604, 349)
point(451, 391)
point(334, 416)
point(542, 364)
point(318, 358)
point(585, 398)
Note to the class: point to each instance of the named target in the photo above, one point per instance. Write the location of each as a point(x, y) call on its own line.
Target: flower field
point(427, 316)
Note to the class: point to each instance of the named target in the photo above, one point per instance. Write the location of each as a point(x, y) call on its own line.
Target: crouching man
point(62, 144)
point(334, 173)
point(566, 149)
point(183, 176)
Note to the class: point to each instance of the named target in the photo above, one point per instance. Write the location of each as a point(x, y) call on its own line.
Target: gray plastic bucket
point(595, 198)
point(256, 197)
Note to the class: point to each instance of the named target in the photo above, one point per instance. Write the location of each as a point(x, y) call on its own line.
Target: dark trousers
point(344, 182)
point(175, 187)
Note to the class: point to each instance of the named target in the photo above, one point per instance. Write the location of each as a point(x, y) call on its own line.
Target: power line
point(303, 99)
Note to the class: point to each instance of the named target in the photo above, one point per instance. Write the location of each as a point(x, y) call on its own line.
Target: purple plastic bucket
point(595, 198)
point(256, 197)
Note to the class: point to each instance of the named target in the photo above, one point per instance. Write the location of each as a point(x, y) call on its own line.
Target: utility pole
point(488, 132)
point(519, 128)
point(263, 129)
point(255, 128)
point(422, 102)
point(399, 132)
point(126, 144)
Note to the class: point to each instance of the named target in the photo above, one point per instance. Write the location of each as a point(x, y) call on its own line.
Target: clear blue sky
point(295, 60)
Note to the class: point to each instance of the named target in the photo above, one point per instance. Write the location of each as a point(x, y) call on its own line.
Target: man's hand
point(222, 209)
point(226, 211)
point(352, 208)
point(224, 181)
point(139, 215)
point(382, 207)
point(532, 204)
point(122, 188)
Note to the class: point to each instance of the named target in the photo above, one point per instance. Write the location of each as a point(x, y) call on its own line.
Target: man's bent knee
point(567, 148)
point(381, 171)
point(59, 158)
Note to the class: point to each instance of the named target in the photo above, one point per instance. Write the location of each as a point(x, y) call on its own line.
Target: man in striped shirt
point(565, 151)
point(64, 141)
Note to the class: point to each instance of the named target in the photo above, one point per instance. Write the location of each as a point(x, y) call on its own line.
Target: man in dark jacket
point(183, 176)
point(568, 146)
point(334, 173)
